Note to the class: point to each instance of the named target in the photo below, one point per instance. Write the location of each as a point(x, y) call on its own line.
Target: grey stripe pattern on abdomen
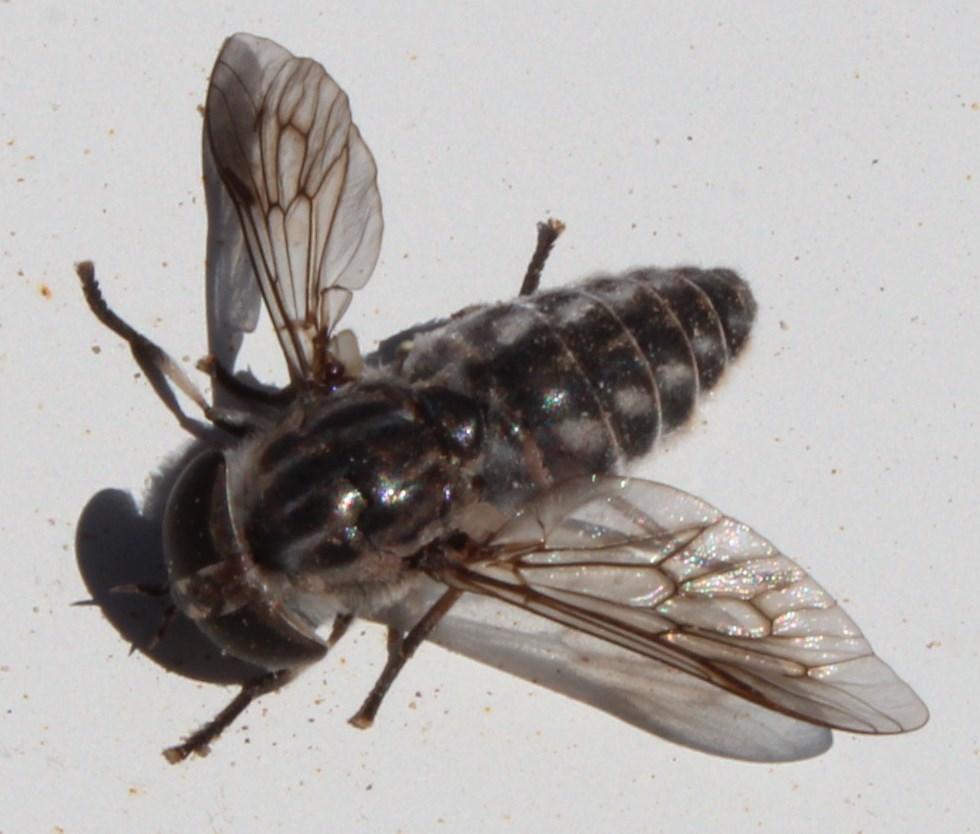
point(578, 379)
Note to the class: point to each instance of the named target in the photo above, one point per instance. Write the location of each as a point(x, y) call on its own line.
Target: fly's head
point(242, 610)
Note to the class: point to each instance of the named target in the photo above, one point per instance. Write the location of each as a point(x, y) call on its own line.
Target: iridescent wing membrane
point(666, 576)
point(300, 214)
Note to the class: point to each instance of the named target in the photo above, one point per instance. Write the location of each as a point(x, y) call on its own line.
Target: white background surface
point(830, 155)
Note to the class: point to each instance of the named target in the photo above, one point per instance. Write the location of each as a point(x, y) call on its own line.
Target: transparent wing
point(233, 293)
point(300, 196)
point(652, 696)
point(666, 576)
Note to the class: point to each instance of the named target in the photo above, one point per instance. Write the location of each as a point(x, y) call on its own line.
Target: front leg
point(161, 371)
point(200, 741)
point(547, 235)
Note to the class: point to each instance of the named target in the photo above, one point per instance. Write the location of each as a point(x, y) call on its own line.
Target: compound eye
point(188, 543)
point(198, 545)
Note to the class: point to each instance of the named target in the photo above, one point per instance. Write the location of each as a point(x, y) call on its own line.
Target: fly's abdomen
point(580, 378)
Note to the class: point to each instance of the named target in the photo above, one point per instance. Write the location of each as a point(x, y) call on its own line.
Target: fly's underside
point(473, 463)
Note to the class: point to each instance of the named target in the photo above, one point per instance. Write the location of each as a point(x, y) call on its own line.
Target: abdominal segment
point(580, 379)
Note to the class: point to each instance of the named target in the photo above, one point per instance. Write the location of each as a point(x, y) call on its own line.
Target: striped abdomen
point(578, 379)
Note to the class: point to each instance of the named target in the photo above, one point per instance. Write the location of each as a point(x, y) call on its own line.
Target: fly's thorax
point(347, 486)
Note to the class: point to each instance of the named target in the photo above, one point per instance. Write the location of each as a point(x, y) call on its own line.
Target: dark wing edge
point(300, 198)
point(664, 575)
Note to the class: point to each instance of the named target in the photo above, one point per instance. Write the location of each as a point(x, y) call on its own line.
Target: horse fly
point(475, 458)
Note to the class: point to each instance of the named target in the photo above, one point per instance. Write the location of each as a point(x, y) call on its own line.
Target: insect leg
point(547, 235)
point(340, 625)
point(400, 649)
point(200, 742)
point(238, 388)
point(160, 369)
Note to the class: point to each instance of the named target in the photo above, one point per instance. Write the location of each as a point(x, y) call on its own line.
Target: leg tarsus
point(548, 233)
point(400, 649)
point(200, 741)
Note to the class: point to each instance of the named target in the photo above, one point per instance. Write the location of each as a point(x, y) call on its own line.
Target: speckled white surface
point(830, 155)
